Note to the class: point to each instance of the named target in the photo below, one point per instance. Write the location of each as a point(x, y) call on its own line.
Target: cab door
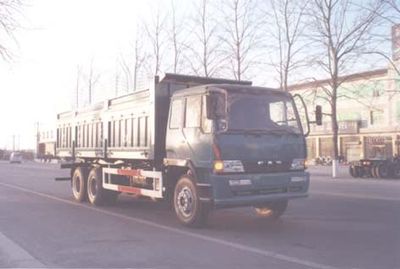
point(197, 131)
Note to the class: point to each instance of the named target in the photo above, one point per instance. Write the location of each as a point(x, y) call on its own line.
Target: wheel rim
point(76, 186)
point(185, 202)
point(92, 188)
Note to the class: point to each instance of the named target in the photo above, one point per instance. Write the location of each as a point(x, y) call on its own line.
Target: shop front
point(378, 147)
point(351, 148)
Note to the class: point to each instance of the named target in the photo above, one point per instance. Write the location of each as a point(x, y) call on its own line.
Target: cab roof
point(228, 87)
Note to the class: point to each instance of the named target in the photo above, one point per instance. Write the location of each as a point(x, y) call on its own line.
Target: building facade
point(368, 113)
point(46, 143)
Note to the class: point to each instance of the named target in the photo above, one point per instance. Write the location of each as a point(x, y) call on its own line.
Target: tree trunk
point(335, 129)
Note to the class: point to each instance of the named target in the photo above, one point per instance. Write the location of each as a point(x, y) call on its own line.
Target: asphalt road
point(345, 223)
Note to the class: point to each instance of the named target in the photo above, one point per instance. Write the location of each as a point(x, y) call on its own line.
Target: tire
point(79, 184)
point(95, 192)
point(352, 171)
point(188, 207)
point(383, 171)
point(272, 210)
point(374, 170)
point(396, 171)
point(390, 168)
point(359, 171)
point(368, 171)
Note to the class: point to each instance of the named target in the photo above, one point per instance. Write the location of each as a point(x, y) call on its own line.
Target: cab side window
point(175, 121)
point(193, 112)
point(205, 123)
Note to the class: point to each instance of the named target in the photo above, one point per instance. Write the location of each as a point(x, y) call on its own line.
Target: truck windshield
point(270, 112)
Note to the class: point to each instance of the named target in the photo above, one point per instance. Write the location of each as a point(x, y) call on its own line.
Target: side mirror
point(318, 115)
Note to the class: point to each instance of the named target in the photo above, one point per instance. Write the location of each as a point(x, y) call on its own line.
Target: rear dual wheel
point(356, 171)
point(97, 195)
point(352, 171)
point(79, 184)
point(90, 187)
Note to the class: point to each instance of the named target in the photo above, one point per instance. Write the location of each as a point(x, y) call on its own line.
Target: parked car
point(16, 157)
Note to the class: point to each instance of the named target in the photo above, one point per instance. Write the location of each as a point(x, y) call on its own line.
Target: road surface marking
point(16, 255)
point(357, 196)
point(265, 253)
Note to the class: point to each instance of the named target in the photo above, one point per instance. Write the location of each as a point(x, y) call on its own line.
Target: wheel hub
point(185, 201)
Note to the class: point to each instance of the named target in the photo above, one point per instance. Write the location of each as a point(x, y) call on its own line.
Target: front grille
point(264, 191)
point(265, 166)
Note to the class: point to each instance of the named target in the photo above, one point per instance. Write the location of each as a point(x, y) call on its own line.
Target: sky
point(57, 36)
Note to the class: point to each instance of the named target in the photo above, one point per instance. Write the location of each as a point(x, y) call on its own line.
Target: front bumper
point(263, 188)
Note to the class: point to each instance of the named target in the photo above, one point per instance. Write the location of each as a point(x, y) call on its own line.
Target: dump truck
point(196, 143)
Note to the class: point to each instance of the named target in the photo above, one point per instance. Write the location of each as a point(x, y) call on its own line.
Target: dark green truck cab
point(245, 144)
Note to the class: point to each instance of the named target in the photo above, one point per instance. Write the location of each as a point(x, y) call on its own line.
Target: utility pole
point(37, 139)
point(13, 147)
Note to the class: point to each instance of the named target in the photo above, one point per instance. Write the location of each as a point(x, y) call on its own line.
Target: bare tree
point(126, 70)
point(92, 79)
point(77, 87)
point(240, 35)
point(204, 58)
point(343, 30)
point(393, 14)
point(140, 59)
point(176, 34)
point(131, 65)
point(156, 34)
point(285, 36)
point(117, 77)
point(9, 9)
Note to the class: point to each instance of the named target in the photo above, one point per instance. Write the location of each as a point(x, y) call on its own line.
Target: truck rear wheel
point(79, 184)
point(374, 170)
point(352, 171)
point(272, 210)
point(97, 195)
point(188, 207)
point(359, 171)
point(396, 171)
point(383, 171)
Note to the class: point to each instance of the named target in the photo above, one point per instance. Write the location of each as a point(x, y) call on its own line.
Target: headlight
point(298, 164)
point(231, 166)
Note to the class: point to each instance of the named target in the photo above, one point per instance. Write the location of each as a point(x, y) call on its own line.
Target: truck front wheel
point(79, 184)
point(188, 207)
point(272, 210)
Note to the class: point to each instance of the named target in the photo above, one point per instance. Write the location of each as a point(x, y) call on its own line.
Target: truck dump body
point(127, 127)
